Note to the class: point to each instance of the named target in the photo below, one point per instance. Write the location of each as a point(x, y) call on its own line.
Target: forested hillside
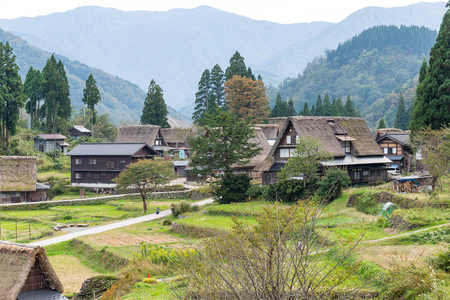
point(122, 99)
point(370, 67)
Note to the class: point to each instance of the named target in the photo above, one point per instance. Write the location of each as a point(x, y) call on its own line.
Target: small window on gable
point(330, 122)
point(346, 146)
point(288, 139)
point(284, 153)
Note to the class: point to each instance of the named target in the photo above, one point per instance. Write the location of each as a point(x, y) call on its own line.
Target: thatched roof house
point(17, 173)
point(347, 139)
point(149, 134)
point(271, 132)
point(27, 273)
point(176, 137)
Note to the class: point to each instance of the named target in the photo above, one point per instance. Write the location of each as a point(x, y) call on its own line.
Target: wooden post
point(0, 227)
point(16, 231)
point(29, 228)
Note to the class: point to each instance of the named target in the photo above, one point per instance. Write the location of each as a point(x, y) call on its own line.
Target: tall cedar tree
point(237, 67)
point(217, 81)
point(56, 110)
point(12, 97)
point(33, 90)
point(155, 109)
point(349, 108)
point(226, 142)
point(432, 104)
point(305, 111)
point(280, 108)
point(203, 103)
point(291, 109)
point(319, 107)
point(326, 106)
point(401, 118)
point(246, 98)
point(91, 97)
point(381, 124)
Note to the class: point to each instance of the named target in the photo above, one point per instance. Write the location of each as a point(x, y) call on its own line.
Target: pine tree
point(401, 118)
point(290, 108)
point(319, 107)
point(381, 124)
point(202, 98)
point(339, 107)
point(280, 108)
point(349, 108)
point(12, 98)
point(155, 109)
point(305, 111)
point(56, 110)
point(432, 104)
point(33, 90)
point(237, 66)
point(250, 74)
point(326, 106)
point(313, 110)
point(217, 81)
point(91, 97)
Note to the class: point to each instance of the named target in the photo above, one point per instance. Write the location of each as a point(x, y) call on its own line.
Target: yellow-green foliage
point(162, 254)
point(150, 280)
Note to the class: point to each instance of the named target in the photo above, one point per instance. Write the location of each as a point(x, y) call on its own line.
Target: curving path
point(111, 226)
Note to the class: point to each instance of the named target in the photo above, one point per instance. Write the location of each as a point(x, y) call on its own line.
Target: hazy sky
point(280, 11)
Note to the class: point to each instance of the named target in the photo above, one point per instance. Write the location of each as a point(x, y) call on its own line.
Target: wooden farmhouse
point(50, 142)
point(97, 164)
point(271, 132)
point(148, 134)
point(347, 139)
point(27, 274)
point(78, 131)
point(176, 139)
point(396, 146)
point(18, 180)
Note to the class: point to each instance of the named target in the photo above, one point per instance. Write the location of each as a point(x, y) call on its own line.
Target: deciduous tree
point(145, 175)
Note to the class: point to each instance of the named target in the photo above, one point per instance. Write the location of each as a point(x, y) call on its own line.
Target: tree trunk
point(144, 202)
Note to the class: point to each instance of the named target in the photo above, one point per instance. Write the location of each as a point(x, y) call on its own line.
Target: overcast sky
point(280, 11)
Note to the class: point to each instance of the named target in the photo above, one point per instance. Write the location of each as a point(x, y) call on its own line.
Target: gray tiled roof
point(107, 149)
point(401, 137)
point(41, 294)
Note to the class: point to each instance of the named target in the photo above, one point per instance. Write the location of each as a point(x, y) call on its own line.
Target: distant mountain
point(378, 62)
point(122, 99)
point(175, 47)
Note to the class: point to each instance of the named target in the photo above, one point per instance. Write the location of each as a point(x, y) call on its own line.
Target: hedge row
point(194, 231)
point(384, 197)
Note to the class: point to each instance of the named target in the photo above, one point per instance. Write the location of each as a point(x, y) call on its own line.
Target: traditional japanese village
point(206, 153)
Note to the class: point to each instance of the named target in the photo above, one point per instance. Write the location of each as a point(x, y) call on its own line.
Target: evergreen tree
point(305, 111)
point(319, 107)
point(381, 124)
point(326, 106)
point(33, 90)
point(202, 98)
point(432, 104)
point(12, 97)
point(401, 118)
point(91, 97)
point(155, 109)
point(250, 74)
point(56, 110)
point(339, 107)
point(280, 109)
point(313, 111)
point(334, 111)
point(217, 81)
point(237, 66)
point(290, 108)
point(349, 109)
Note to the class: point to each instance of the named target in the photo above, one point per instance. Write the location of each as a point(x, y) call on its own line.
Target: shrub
point(167, 221)
point(286, 190)
point(232, 188)
point(331, 185)
point(368, 203)
point(441, 261)
point(257, 191)
point(180, 208)
point(150, 280)
point(162, 254)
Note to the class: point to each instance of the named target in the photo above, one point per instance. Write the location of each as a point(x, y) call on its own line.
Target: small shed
point(50, 142)
point(27, 273)
point(78, 131)
point(180, 167)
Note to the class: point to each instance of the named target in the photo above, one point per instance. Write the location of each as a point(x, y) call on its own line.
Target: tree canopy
point(155, 109)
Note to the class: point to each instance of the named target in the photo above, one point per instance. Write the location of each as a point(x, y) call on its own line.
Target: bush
point(257, 191)
point(180, 208)
point(167, 221)
point(331, 185)
point(368, 203)
point(286, 190)
point(441, 261)
point(150, 280)
point(232, 188)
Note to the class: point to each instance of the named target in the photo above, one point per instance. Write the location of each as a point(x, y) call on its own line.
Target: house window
point(394, 150)
point(288, 139)
point(356, 175)
point(103, 174)
point(95, 175)
point(88, 175)
point(346, 146)
point(385, 150)
point(92, 161)
point(78, 161)
point(365, 173)
point(284, 153)
point(110, 165)
point(78, 176)
point(157, 142)
point(122, 161)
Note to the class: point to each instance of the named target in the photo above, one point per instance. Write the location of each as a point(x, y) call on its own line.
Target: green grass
point(44, 176)
point(158, 291)
point(212, 221)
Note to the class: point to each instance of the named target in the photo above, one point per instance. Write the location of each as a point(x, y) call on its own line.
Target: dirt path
point(111, 226)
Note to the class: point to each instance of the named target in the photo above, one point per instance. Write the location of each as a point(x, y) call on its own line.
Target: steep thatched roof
point(270, 130)
point(17, 174)
point(384, 131)
point(329, 131)
point(139, 134)
point(279, 120)
point(16, 262)
point(260, 140)
point(174, 135)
